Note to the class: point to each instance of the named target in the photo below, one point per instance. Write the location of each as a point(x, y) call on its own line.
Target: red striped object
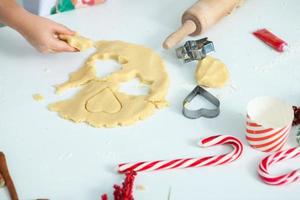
point(191, 162)
point(266, 139)
point(263, 169)
point(268, 123)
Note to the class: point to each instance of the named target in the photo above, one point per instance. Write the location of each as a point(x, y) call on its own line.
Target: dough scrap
point(100, 103)
point(38, 97)
point(211, 72)
point(78, 42)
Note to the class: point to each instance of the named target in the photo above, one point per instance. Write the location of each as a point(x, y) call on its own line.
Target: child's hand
point(43, 34)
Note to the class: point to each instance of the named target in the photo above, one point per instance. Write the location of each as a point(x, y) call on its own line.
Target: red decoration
point(297, 116)
point(270, 39)
point(124, 192)
point(104, 197)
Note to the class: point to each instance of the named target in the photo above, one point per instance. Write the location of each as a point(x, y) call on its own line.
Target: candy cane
point(191, 162)
point(277, 157)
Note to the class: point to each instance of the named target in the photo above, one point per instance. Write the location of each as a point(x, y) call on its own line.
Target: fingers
point(63, 37)
point(60, 46)
point(61, 29)
point(57, 44)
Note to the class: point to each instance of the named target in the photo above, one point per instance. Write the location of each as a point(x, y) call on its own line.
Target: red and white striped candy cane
point(191, 162)
point(277, 157)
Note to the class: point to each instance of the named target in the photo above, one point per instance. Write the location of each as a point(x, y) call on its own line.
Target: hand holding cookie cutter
point(202, 112)
point(195, 50)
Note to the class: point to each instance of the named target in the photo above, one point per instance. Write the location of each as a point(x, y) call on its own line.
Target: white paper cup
point(269, 121)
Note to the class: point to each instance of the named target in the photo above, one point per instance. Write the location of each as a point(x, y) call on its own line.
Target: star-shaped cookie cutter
point(195, 50)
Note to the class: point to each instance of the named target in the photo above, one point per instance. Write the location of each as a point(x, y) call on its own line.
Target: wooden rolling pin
point(200, 17)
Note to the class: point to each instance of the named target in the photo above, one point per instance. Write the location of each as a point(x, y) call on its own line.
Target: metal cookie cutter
point(195, 50)
point(202, 112)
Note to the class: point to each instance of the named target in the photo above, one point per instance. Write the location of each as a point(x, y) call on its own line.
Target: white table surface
point(55, 158)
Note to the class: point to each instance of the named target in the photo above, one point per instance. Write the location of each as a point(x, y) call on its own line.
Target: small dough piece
point(38, 97)
point(77, 41)
point(211, 72)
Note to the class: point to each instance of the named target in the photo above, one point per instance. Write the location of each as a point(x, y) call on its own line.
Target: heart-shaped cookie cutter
point(202, 112)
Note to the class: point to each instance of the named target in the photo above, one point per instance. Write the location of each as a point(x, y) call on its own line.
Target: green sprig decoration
point(298, 135)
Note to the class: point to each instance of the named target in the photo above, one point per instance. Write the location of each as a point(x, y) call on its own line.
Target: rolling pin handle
point(187, 28)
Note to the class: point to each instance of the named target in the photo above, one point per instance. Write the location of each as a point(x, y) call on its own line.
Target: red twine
point(296, 115)
point(124, 192)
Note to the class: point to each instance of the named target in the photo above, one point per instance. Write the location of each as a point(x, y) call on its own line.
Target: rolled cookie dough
point(100, 103)
point(78, 42)
point(211, 72)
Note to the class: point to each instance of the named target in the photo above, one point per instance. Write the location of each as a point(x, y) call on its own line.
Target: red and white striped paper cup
point(269, 121)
